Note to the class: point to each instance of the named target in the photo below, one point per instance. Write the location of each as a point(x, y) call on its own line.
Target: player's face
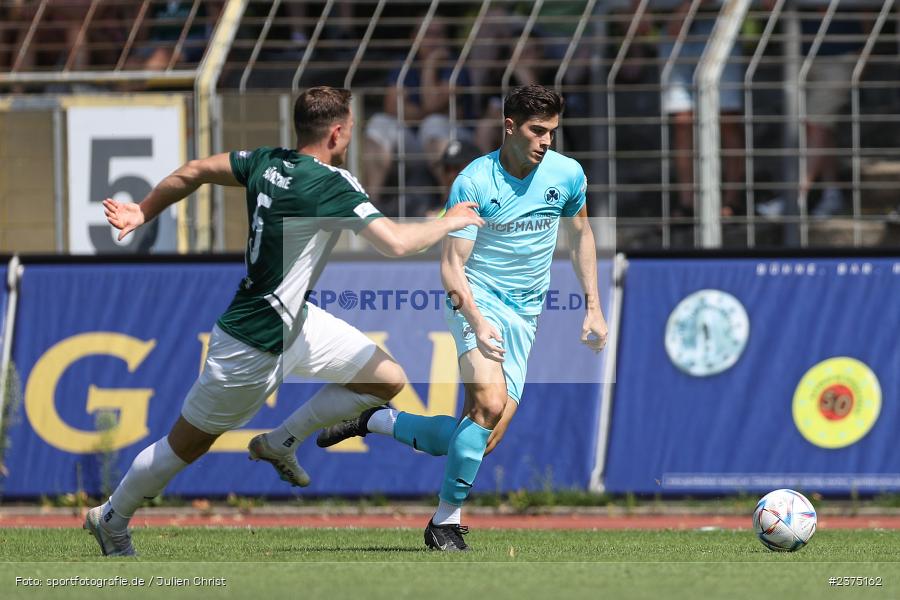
point(530, 140)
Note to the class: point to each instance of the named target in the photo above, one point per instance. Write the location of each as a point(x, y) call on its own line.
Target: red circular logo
point(836, 402)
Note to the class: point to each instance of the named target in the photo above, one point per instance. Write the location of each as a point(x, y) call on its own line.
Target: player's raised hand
point(594, 331)
point(124, 216)
point(490, 343)
point(462, 215)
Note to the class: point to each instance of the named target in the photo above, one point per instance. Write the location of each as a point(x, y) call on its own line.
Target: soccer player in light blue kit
point(496, 279)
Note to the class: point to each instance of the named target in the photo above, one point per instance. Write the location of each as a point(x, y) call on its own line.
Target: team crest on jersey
point(551, 196)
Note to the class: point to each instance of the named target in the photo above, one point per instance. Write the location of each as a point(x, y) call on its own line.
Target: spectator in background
point(167, 23)
point(300, 20)
point(556, 27)
point(426, 126)
point(502, 26)
point(498, 32)
point(57, 34)
point(678, 104)
point(58, 42)
point(827, 93)
point(456, 157)
point(11, 20)
point(527, 71)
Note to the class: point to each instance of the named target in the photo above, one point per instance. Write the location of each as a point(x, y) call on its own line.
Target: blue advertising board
point(106, 354)
point(749, 375)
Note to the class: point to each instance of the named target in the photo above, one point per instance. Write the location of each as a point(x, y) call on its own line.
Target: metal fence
point(737, 123)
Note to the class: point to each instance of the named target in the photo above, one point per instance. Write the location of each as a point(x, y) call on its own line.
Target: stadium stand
point(235, 65)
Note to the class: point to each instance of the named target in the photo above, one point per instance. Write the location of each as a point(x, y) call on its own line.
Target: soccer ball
point(784, 520)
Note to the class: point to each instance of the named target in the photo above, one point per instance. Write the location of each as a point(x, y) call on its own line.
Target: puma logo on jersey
point(495, 201)
point(277, 179)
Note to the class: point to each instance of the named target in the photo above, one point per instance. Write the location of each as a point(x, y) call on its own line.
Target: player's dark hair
point(317, 109)
point(532, 102)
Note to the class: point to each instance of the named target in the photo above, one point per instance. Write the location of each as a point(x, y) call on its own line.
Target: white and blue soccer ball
point(784, 520)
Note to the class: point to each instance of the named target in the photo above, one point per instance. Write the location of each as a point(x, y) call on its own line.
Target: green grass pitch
point(334, 564)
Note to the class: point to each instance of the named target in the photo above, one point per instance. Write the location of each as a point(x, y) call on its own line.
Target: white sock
point(382, 421)
point(281, 440)
point(149, 474)
point(447, 514)
point(331, 404)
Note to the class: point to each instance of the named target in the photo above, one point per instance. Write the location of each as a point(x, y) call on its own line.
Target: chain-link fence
point(700, 123)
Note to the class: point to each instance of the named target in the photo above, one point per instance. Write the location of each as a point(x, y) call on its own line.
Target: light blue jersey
point(513, 251)
point(509, 268)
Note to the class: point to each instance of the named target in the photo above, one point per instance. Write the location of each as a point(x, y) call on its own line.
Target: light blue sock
point(428, 434)
point(463, 459)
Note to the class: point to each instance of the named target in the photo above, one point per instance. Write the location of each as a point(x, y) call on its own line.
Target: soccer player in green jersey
point(298, 201)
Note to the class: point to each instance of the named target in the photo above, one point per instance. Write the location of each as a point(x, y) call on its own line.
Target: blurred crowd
point(415, 112)
point(60, 39)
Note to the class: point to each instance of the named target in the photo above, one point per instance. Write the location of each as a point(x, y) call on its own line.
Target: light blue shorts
point(517, 331)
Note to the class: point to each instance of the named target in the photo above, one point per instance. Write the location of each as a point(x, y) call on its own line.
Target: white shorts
point(237, 378)
point(678, 94)
point(828, 88)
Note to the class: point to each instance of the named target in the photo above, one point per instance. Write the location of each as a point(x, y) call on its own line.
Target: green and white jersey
point(297, 207)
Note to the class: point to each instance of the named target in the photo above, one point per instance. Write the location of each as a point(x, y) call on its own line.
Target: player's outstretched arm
point(584, 259)
point(404, 239)
point(455, 253)
point(128, 216)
